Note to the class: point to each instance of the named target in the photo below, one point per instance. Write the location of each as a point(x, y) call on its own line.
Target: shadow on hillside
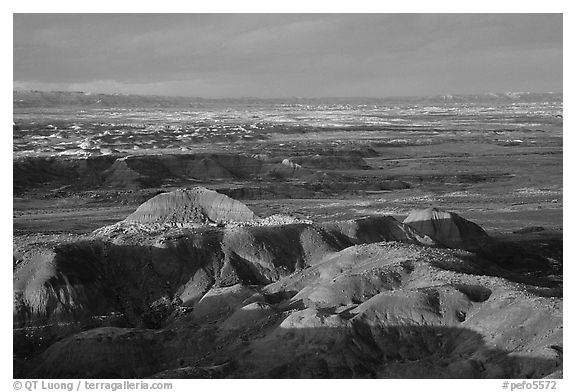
point(141, 284)
point(356, 351)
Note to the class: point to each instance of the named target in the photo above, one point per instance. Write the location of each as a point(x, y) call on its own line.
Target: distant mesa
point(137, 171)
point(448, 229)
point(196, 205)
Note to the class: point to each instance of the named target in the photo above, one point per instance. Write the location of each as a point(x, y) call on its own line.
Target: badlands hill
point(195, 285)
point(448, 229)
point(198, 205)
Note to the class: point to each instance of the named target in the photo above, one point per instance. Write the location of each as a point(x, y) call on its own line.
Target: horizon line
point(288, 97)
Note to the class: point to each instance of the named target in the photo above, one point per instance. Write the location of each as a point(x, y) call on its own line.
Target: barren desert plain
point(162, 237)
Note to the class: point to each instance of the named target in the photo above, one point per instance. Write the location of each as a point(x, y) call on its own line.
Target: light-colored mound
point(441, 305)
point(248, 316)
point(290, 164)
point(197, 205)
point(354, 275)
point(310, 318)
point(222, 301)
point(448, 229)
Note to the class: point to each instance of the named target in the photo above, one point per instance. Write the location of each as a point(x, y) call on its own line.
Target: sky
point(288, 55)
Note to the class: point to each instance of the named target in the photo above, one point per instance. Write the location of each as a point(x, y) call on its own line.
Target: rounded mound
point(197, 205)
point(448, 229)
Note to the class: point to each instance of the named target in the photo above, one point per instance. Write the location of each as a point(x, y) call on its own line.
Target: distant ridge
point(25, 99)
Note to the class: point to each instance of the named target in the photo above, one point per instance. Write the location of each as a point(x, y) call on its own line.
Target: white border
point(300, 6)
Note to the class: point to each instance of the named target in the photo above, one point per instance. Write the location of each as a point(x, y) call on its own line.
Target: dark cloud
point(289, 54)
